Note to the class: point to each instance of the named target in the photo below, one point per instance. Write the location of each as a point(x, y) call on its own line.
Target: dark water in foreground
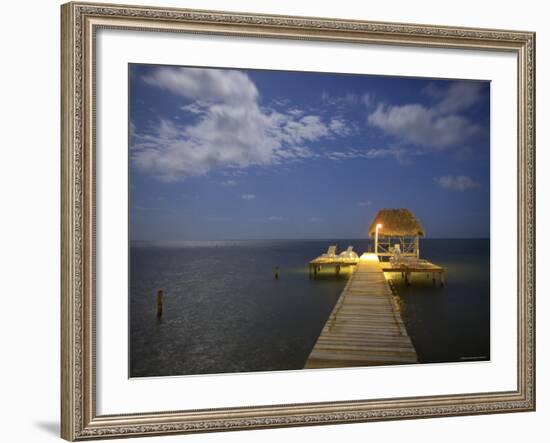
point(224, 311)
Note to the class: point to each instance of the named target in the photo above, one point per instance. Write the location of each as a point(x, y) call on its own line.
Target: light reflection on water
point(225, 312)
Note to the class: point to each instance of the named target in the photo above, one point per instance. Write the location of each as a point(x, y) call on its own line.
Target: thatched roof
point(396, 222)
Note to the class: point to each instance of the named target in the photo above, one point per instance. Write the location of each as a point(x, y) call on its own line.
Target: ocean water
point(225, 312)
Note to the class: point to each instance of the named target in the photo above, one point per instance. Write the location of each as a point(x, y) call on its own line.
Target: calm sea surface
point(225, 312)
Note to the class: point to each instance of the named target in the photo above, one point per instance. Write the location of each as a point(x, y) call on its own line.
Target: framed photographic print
point(283, 221)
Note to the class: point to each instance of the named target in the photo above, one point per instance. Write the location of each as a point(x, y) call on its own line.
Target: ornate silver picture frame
point(80, 23)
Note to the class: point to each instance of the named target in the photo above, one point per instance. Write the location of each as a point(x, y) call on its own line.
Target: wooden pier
point(365, 327)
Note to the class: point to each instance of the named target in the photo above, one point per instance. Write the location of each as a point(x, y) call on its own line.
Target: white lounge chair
point(349, 253)
point(331, 252)
point(397, 259)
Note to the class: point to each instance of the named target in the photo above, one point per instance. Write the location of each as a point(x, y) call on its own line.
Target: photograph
point(286, 220)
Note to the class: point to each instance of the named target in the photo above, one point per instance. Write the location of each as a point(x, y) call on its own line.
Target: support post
point(160, 296)
point(337, 270)
point(276, 272)
point(442, 278)
point(378, 226)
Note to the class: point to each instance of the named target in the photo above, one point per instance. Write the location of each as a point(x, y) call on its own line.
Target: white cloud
point(194, 108)
point(433, 91)
point(229, 183)
point(296, 112)
point(340, 155)
point(344, 101)
point(437, 127)
point(341, 101)
point(295, 153)
point(351, 98)
point(282, 102)
point(460, 96)
point(248, 196)
point(368, 100)
point(315, 219)
point(423, 126)
point(231, 130)
point(206, 85)
point(364, 204)
point(276, 218)
point(339, 127)
point(458, 183)
point(397, 153)
point(307, 128)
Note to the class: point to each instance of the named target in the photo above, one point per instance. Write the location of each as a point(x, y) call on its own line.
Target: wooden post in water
point(276, 273)
point(159, 303)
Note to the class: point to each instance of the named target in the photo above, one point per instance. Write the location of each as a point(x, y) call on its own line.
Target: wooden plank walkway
point(365, 327)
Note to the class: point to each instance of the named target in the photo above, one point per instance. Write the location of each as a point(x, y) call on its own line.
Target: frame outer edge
point(526, 223)
point(534, 196)
point(532, 201)
point(78, 420)
point(68, 431)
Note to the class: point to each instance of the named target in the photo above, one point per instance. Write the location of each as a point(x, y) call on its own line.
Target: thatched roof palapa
point(396, 222)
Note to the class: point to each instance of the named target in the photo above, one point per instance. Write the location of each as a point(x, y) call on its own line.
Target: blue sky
point(251, 154)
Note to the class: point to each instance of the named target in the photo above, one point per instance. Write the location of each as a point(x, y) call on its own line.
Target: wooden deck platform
point(406, 268)
point(422, 267)
point(335, 262)
point(365, 327)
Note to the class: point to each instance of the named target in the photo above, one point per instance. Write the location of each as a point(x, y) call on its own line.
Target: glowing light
point(369, 256)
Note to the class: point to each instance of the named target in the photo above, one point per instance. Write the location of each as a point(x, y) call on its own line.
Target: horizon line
point(301, 239)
